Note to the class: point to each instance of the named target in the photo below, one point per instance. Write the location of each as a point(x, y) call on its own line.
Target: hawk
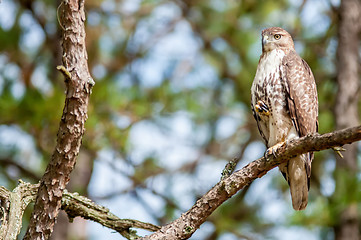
point(285, 106)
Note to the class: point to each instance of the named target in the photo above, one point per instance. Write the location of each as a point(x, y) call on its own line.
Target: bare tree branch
point(189, 222)
point(14, 203)
point(71, 129)
point(76, 205)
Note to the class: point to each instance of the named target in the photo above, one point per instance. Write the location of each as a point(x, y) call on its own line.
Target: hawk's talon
point(262, 108)
point(266, 155)
point(273, 150)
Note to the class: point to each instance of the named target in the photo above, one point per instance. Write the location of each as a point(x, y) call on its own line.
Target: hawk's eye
point(277, 36)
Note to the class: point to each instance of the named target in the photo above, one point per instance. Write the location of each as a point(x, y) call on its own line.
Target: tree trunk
point(79, 181)
point(71, 128)
point(346, 112)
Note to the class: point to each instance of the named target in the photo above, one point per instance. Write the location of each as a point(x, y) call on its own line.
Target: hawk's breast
point(268, 86)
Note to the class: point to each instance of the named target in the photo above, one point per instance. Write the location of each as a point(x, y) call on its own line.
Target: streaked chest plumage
point(269, 87)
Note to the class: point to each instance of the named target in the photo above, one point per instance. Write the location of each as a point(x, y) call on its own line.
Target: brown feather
point(302, 99)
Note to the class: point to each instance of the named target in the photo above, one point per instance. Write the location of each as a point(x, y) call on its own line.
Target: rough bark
point(346, 109)
point(71, 129)
point(79, 181)
point(14, 203)
point(76, 205)
point(189, 222)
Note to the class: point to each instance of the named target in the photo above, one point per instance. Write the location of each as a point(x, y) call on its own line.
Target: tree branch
point(189, 222)
point(14, 203)
point(71, 128)
point(76, 205)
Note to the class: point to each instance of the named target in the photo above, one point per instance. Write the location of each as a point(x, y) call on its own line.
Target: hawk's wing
point(302, 98)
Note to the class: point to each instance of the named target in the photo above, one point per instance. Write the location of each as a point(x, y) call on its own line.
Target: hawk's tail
point(298, 180)
point(297, 174)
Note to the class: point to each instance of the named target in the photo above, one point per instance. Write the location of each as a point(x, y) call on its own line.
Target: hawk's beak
point(264, 40)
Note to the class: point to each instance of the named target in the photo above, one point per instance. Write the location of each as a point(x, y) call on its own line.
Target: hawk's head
point(276, 38)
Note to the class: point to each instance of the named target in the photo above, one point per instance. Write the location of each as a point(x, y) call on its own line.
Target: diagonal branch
point(189, 222)
point(71, 128)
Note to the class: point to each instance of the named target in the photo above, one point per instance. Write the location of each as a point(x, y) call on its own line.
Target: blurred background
point(171, 106)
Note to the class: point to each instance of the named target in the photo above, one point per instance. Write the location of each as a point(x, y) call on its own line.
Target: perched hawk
point(285, 106)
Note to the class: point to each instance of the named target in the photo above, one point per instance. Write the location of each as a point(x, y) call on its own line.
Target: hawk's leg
point(273, 150)
point(261, 108)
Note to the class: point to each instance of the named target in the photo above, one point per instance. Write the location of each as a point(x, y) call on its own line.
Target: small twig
point(231, 165)
point(229, 168)
point(338, 150)
point(57, 15)
point(65, 72)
